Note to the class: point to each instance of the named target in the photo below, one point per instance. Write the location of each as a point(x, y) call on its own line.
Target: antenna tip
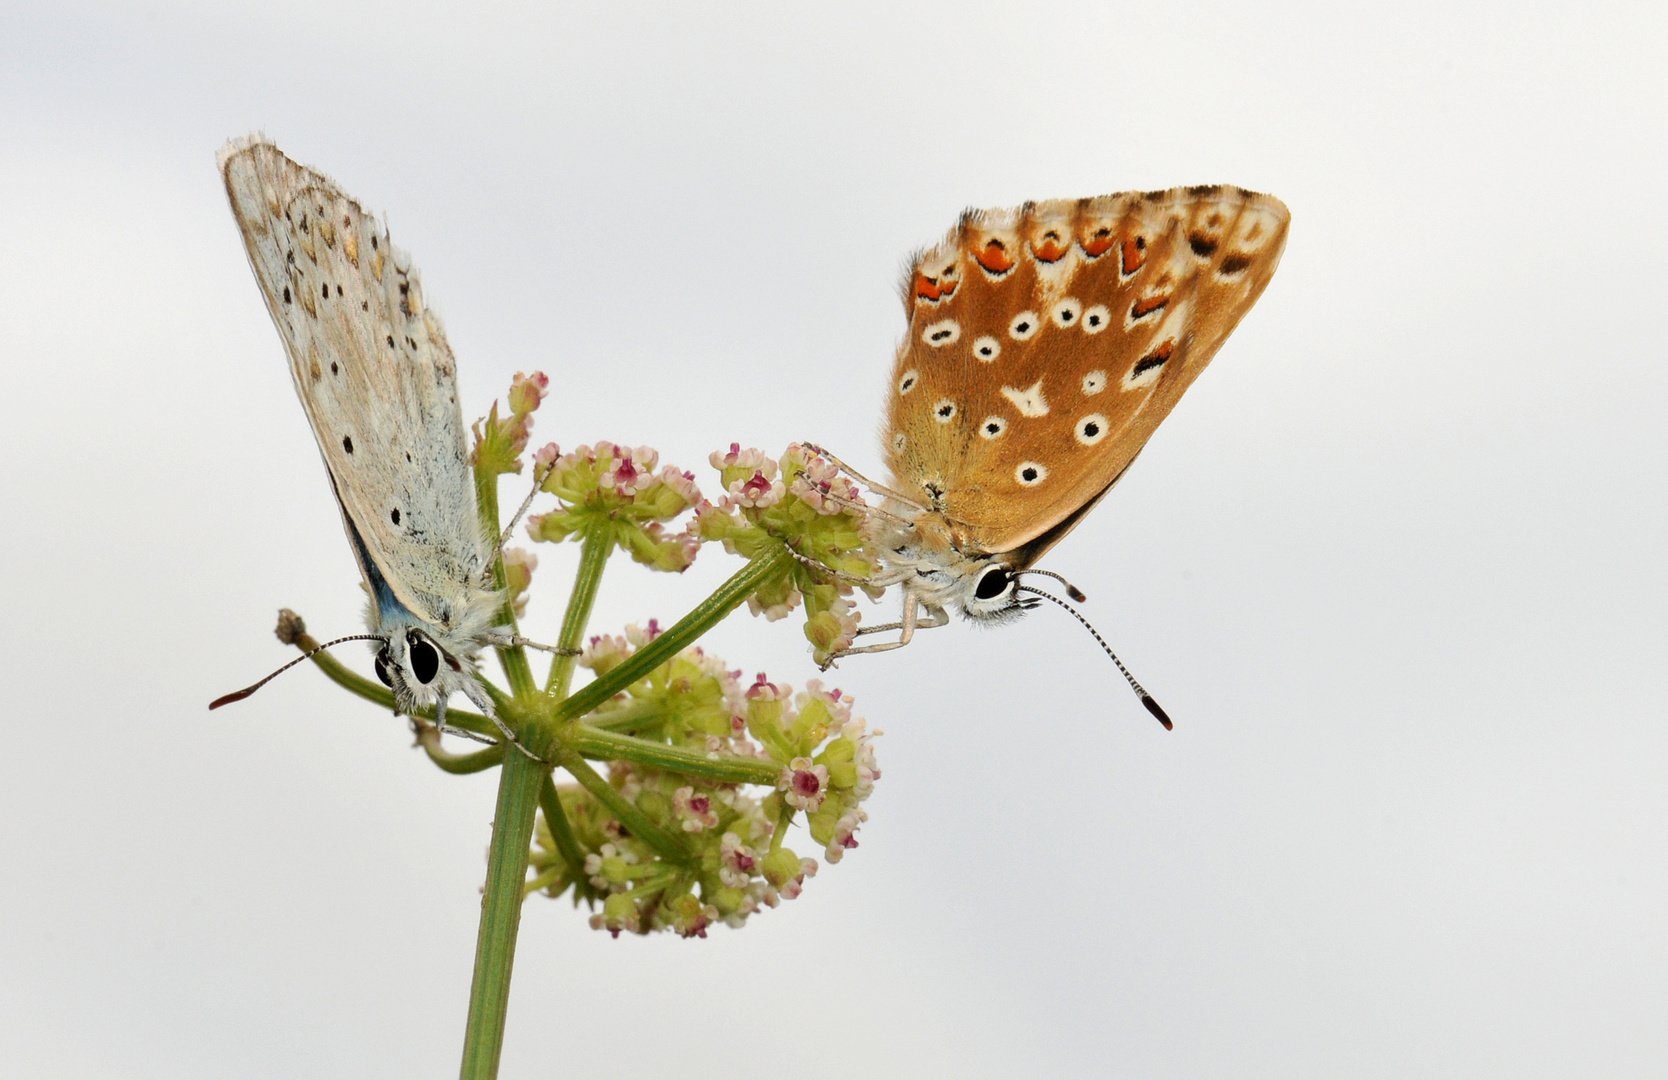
point(1076, 594)
point(1153, 707)
point(227, 699)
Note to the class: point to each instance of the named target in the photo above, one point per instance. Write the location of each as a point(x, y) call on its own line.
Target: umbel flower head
point(733, 860)
point(621, 491)
point(499, 443)
point(805, 503)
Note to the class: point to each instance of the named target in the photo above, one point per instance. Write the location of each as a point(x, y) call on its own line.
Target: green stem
point(638, 713)
point(512, 658)
point(624, 810)
point(711, 611)
point(598, 545)
point(550, 801)
point(613, 746)
point(783, 820)
point(519, 782)
point(458, 764)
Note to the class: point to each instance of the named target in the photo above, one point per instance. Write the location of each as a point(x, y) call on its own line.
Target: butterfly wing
point(374, 372)
point(1047, 342)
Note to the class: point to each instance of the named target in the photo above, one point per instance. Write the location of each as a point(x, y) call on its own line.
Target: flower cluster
point(499, 443)
point(619, 492)
point(806, 503)
point(734, 861)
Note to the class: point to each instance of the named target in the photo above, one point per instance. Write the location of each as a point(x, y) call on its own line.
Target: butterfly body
point(1046, 343)
point(378, 382)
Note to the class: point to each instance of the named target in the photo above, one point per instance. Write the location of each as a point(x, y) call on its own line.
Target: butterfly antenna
point(1071, 590)
point(1140, 691)
point(504, 538)
point(246, 691)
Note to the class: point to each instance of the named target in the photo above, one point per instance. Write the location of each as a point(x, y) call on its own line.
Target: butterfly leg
point(500, 640)
point(935, 617)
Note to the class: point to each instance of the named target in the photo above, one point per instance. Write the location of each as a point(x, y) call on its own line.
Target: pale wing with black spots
point(1047, 342)
point(378, 381)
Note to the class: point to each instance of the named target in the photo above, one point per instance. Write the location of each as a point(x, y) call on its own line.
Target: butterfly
point(1046, 343)
point(379, 385)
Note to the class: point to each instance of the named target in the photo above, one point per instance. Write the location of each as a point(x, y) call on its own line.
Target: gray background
point(1394, 564)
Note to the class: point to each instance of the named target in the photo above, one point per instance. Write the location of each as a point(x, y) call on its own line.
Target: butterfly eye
point(382, 663)
point(1023, 326)
point(1091, 429)
point(944, 411)
point(1094, 383)
point(907, 383)
point(425, 659)
point(941, 333)
point(1096, 319)
point(1030, 473)
point(992, 427)
point(1066, 313)
point(987, 348)
point(992, 583)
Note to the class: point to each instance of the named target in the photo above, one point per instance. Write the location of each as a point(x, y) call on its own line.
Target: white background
point(1395, 565)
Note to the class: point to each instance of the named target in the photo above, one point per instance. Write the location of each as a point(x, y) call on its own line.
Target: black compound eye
point(425, 659)
point(992, 583)
point(382, 663)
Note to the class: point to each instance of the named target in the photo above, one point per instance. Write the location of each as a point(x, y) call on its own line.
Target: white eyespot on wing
point(1096, 319)
point(1094, 383)
point(944, 411)
point(1024, 325)
point(899, 442)
point(1066, 313)
point(987, 348)
point(1031, 473)
point(907, 383)
point(1090, 429)
point(1030, 401)
point(941, 333)
point(992, 427)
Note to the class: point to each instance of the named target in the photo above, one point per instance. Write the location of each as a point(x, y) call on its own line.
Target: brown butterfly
point(1046, 343)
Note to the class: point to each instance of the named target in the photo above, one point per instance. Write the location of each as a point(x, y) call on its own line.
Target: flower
point(499, 442)
point(617, 492)
point(803, 784)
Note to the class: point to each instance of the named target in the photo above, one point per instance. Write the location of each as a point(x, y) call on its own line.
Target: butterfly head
point(425, 665)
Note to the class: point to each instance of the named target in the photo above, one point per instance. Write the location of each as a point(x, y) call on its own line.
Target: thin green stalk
point(550, 801)
point(459, 764)
point(512, 658)
point(614, 746)
point(512, 835)
point(689, 629)
point(593, 557)
point(624, 810)
point(640, 713)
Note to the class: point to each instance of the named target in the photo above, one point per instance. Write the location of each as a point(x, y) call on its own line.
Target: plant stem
point(513, 658)
point(512, 834)
point(520, 783)
point(711, 611)
point(598, 544)
point(624, 810)
point(613, 746)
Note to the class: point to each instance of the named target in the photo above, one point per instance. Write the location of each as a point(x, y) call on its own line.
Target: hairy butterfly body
point(1045, 345)
point(378, 382)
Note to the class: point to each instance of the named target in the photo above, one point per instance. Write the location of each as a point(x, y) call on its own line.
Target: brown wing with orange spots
point(1047, 342)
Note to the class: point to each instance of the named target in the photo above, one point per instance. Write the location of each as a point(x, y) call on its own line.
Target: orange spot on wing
point(1051, 248)
point(1098, 243)
point(994, 257)
point(1147, 306)
point(1134, 254)
point(930, 290)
